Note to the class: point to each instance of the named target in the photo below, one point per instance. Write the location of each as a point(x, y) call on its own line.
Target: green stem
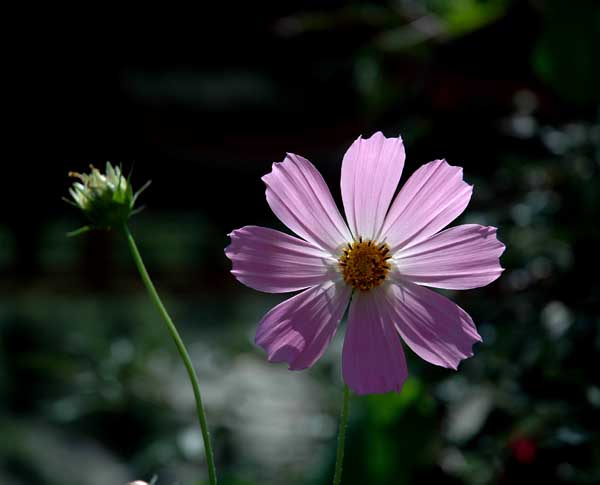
point(339, 461)
point(139, 263)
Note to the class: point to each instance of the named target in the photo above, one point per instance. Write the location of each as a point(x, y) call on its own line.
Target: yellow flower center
point(364, 264)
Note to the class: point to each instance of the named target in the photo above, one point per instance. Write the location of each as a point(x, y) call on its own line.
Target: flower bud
point(107, 199)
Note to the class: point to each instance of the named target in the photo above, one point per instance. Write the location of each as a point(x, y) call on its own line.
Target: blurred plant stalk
point(339, 457)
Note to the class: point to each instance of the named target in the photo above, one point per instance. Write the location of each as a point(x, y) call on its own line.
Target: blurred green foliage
point(566, 53)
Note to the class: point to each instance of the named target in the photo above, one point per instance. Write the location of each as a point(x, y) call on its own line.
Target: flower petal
point(298, 330)
point(432, 197)
point(373, 360)
point(271, 261)
point(370, 174)
point(458, 258)
point(300, 198)
point(435, 328)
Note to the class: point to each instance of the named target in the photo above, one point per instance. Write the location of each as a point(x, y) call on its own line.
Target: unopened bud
point(107, 199)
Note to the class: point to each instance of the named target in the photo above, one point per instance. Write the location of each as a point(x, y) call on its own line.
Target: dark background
point(202, 102)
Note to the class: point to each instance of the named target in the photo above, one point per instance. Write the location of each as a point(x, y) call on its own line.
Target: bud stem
point(139, 263)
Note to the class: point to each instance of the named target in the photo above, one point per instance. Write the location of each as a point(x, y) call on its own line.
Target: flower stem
point(339, 461)
point(139, 263)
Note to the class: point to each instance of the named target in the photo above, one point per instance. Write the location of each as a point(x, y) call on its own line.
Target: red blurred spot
point(523, 449)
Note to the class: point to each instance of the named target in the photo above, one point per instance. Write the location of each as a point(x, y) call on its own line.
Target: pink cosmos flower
point(380, 263)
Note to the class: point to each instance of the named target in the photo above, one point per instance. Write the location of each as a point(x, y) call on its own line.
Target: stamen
point(365, 264)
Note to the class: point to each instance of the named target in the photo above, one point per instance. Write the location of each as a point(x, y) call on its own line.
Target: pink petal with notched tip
point(371, 170)
point(431, 199)
point(372, 360)
point(435, 328)
point(459, 258)
point(299, 330)
point(300, 198)
point(271, 261)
